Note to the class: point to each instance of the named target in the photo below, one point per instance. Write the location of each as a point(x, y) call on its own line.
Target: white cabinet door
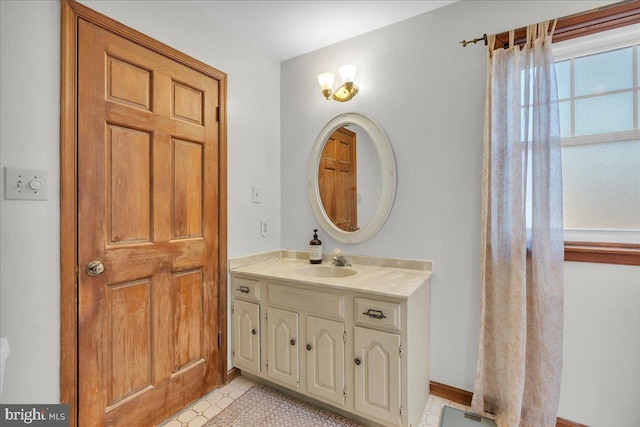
point(246, 335)
point(325, 359)
point(377, 374)
point(283, 346)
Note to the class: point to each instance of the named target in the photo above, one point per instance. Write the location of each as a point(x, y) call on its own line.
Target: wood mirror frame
point(387, 169)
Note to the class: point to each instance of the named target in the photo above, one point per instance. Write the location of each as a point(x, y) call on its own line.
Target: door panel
point(282, 344)
point(130, 338)
point(246, 335)
point(325, 358)
point(129, 180)
point(187, 160)
point(377, 376)
point(148, 210)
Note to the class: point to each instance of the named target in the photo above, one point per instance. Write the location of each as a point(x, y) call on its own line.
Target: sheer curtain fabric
point(520, 355)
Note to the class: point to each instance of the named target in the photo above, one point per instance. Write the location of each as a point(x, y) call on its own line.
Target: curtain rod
point(464, 43)
point(580, 24)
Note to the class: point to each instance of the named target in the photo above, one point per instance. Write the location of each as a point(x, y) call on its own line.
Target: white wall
point(601, 373)
point(427, 93)
point(30, 80)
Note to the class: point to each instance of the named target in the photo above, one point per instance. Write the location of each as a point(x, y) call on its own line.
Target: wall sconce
point(345, 92)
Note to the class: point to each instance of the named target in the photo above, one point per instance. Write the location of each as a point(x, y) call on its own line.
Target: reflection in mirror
point(349, 178)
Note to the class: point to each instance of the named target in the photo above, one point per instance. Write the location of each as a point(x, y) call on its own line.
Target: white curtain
point(520, 356)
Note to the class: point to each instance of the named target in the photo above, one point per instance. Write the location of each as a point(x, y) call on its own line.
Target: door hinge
point(219, 339)
point(344, 394)
point(217, 114)
point(77, 270)
point(266, 317)
point(266, 364)
point(400, 411)
point(400, 350)
point(344, 337)
point(233, 352)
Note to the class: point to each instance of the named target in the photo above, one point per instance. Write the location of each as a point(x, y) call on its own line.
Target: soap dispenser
point(315, 249)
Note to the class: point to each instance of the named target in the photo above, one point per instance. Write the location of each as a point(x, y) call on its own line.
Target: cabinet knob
point(292, 342)
point(309, 347)
point(357, 361)
point(253, 331)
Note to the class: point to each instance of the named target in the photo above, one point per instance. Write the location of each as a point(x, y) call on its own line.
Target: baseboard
point(232, 374)
point(464, 397)
point(561, 422)
point(457, 395)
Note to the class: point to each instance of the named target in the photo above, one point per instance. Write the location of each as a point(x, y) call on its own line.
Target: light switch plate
point(256, 194)
point(25, 184)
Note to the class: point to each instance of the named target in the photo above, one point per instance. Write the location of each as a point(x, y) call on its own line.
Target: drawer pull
point(309, 347)
point(253, 331)
point(243, 289)
point(292, 342)
point(375, 314)
point(357, 361)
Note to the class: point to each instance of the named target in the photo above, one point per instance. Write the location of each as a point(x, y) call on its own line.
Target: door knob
point(309, 347)
point(95, 268)
point(357, 361)
point(292, 342)
point(253, 331)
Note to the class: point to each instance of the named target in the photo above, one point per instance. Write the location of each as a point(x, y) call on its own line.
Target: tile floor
point(213, 403)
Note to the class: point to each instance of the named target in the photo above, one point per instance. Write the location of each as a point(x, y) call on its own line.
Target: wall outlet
point(264, 228)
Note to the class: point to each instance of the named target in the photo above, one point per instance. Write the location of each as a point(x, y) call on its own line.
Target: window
point(600, 128)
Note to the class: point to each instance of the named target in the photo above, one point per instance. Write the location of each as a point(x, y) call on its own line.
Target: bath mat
point(452, 417)
point(262, 406)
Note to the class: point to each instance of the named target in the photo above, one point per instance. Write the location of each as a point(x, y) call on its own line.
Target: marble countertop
point(381, 276)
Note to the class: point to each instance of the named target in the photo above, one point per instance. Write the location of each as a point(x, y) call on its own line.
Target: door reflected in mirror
point(349, 178)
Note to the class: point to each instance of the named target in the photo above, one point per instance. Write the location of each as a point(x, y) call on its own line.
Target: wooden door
point(148, 210)
point(337, 181)
point(325, 359)
point(282, 342)
point(377, 374)
point(246, 335)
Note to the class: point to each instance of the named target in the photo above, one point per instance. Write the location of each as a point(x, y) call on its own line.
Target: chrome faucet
point(339, 260)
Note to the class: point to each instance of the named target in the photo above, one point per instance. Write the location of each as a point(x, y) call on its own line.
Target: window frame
point(583, 24)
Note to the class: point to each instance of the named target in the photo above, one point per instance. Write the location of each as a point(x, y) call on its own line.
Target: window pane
point(601, 185)
point(563, 76)
point(601, 114)
point(565, 119)
point(604, 72)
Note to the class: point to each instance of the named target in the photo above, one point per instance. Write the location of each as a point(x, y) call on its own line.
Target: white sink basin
point(325, 271)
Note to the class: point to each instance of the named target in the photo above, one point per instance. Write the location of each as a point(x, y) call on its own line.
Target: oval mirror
point(352, 178)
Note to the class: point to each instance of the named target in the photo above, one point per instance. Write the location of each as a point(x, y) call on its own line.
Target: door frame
point(71, 13)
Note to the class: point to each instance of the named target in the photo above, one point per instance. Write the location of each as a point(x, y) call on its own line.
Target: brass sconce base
point(345, 92)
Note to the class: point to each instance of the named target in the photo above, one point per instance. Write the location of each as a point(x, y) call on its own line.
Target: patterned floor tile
point(213, 403)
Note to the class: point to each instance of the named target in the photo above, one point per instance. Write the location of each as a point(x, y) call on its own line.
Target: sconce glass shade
point(326, 83)
point(348, 73)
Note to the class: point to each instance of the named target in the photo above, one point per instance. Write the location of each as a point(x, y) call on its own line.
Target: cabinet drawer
point(378, 313)
point(246, 288)
point(307, 300)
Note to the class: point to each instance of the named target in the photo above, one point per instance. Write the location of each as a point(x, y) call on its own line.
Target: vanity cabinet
point(359, 351)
